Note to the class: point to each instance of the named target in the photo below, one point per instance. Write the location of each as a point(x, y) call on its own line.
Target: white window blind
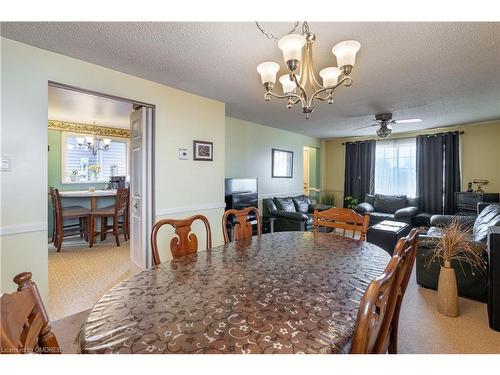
point(76, 162)
point(396, 167)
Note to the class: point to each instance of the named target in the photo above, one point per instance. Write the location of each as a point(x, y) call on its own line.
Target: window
point(76, 162)
point(395, 167)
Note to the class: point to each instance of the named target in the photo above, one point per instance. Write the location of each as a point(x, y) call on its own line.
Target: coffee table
point(387, 233)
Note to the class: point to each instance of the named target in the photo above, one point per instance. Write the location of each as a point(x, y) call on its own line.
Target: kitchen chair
point(406, 248)
point(120, 209)
point(65, 213)
point(342, 218)
point(242, 227)
point(371, 332)
point(24, 323)
point(185, 241)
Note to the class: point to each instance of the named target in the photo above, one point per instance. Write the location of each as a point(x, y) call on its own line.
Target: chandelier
point(300, 84)
point(92, 144)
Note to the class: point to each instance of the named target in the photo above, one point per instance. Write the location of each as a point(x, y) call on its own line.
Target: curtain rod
point(423, 135)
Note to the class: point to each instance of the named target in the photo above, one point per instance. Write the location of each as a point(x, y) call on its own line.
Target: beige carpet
point(422, 328)
point(79, 275)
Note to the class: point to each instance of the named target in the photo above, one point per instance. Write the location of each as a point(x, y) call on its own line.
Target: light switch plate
point(5, 164)
point(183, 154)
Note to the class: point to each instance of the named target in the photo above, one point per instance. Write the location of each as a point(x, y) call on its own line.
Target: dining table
point(285, 292)
point(87, 194)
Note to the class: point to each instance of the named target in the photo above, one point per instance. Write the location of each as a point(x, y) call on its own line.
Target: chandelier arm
point(347, 81)
point(286, 96)
point(312, 77)
point(303, 97)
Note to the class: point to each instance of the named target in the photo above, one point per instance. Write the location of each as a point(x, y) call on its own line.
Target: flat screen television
point(240, 185)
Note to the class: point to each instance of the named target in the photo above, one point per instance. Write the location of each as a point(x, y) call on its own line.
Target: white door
point(141, 187)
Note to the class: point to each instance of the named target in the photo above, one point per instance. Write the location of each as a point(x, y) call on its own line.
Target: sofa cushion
point(488, 217)
point(301, 203)
point(285, 204)
point(389, 203)
point(413, 202)
point(370, 198)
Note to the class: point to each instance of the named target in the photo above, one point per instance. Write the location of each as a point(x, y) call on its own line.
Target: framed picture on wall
point(203, 150)
point(282, 163)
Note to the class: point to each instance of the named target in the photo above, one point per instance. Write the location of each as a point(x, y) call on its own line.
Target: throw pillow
point(301, 203)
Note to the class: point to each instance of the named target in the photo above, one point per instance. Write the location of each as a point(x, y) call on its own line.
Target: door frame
point(150, 191)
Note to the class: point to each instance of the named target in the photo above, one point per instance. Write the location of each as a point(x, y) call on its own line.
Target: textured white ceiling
point(72, 106)
point(444, 73)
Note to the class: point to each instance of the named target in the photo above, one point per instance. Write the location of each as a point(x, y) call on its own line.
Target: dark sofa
point(291, 213)
point(471, 283)
point(389, 207)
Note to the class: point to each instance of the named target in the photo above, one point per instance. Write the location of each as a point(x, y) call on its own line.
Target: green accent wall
point(54, 179)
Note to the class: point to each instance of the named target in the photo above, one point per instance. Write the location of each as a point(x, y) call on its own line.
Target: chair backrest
point(24, 323)
point(242, 226)
point(121, 201)
point(342, 218)
point(375, 309)
point(56, 202)
point(185, 242)
point(406, 248)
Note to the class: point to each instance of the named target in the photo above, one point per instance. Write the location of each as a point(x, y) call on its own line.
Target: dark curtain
point(359, 169)
point(438, 172)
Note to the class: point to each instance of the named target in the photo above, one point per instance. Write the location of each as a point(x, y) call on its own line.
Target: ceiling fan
point(385, 122)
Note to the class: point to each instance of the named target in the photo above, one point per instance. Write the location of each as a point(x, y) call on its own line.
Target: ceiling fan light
point(384, 132)
point(268, 71)
point(346, 52)
point(330, 76)
point(287, 83)
point(291, 45)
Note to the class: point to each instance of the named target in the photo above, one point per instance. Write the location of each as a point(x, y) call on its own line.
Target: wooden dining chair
point(66, 213)
point(376, 308)
point(242, 227)
point(119, 210)
point(185, 241)
point(342, 218)
point(24, 323)
point(406, 248)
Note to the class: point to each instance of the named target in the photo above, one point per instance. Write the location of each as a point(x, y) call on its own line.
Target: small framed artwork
point(282, 163)
point(203, 150)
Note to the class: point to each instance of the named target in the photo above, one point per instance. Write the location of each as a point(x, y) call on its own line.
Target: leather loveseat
point(291, 213)
point(471, 283)
point(389, 207)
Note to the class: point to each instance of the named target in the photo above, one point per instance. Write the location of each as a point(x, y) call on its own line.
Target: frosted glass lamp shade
point(288, 84)
point(329, 76)
point(267, 71)
point(80, 140)
point(89, 140)
point(291, 45)
point(107, 141)
point(346, 52)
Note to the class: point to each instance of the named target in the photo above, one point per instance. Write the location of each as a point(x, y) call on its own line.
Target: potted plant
point(95, 170)
point(351, 202)
point(454, 245)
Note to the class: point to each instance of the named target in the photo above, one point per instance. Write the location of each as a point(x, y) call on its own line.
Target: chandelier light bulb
point(346, 52)
point(291, 45)
point(288, 83)
point(268, 71)
point(329, 76)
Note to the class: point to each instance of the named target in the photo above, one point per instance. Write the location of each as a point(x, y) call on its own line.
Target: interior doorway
point(311, 179)
point(100, 148)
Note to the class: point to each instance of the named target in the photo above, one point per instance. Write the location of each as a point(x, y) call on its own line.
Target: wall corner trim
point(10, 230)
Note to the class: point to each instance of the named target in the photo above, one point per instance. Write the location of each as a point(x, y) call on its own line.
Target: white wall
point(181, 187)
point(248, 154)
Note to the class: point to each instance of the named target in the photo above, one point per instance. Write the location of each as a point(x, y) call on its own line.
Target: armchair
point(471, 283)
